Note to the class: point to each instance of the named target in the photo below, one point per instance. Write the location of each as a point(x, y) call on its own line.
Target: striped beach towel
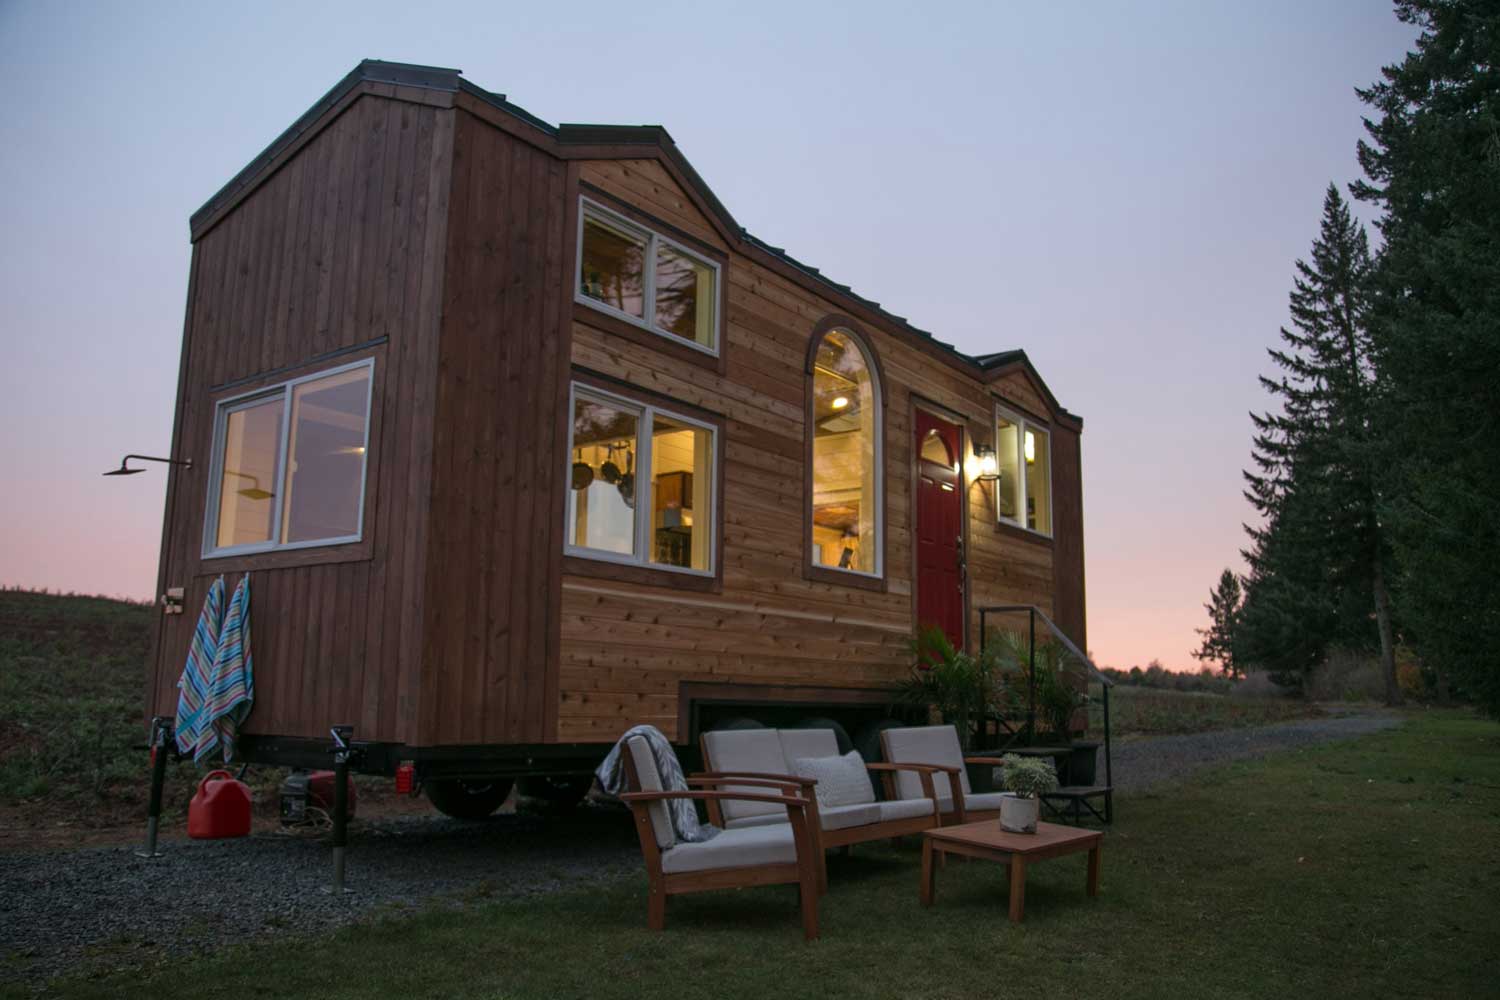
point(231, 689)
point(197, 674)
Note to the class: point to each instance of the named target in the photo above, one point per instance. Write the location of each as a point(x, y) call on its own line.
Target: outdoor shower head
point(126, 470)
point(123, 471)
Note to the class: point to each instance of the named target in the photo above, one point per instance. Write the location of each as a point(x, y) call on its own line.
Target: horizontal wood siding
point(496, 522)
point(626, 649)
point(340, 247)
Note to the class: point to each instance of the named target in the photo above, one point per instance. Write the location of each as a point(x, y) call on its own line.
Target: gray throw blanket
point(611, 775)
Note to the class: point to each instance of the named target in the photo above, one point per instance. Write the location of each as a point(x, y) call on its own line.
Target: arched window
point(844, 410)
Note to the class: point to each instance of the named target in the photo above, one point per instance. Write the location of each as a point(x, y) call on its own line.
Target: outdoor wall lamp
point(988, 470)
point(125, 470)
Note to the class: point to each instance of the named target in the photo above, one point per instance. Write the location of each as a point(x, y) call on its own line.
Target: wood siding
point(436, 233)
point(496, 535)
point(340, 247)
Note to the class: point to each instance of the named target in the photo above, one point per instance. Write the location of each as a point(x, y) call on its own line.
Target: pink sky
point(1120, 193)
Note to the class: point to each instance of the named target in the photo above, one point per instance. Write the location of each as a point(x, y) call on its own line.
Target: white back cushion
point(925, 745)
point(799, 743)
point(646, 773)
point(755, 750)
point(842, 781)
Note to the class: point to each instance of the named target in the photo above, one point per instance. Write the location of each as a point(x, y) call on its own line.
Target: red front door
point(939, 524)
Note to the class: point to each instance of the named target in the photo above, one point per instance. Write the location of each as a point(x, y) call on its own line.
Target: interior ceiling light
point(839, 402)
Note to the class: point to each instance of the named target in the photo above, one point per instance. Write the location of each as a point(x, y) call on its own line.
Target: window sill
point(648, 576)
point(312, 555)
point(1023, 534)
point(605, 322)
point(843, 578)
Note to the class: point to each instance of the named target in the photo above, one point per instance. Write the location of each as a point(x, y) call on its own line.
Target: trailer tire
point(739, 722)
point(559, 792)
point(840, 734)
point(467, 798)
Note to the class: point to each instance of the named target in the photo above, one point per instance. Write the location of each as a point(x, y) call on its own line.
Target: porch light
point(988, 470)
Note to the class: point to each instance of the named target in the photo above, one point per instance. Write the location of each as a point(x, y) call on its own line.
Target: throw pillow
point(842, 781)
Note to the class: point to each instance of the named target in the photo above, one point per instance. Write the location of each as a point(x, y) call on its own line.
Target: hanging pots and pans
point(610, 473)
point(583, 475)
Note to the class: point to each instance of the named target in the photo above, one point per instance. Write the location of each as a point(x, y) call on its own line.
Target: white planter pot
point(1018, 815)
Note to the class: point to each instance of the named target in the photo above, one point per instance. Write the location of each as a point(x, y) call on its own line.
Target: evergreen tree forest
point(1375, 468)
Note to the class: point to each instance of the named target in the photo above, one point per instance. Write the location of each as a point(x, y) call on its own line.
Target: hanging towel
point(231, 692)
point(611, 775)
point(197, 674)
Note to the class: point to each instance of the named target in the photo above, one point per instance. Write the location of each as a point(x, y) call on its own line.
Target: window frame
point(654, 240)
point(811, 569)
point(1022, 423)
point(645, 423)
point(255, 397)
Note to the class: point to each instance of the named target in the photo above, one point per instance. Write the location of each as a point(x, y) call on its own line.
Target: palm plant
point(1056, 697)
point(962, 687)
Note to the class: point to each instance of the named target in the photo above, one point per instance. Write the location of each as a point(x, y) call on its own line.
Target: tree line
point(1376, 470)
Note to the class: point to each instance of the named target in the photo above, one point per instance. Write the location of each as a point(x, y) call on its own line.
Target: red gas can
point(220, 808)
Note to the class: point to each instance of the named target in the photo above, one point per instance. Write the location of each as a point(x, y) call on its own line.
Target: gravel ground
point(96, 909)
point(1139, 764)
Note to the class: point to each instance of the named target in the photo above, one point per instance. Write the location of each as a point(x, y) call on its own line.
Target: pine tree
point(1223, 609)
point(1433, 167)
point(1318, 564)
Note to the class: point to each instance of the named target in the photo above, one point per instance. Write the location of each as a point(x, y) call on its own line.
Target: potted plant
point(1025, 780)
point(961, 687)
point(1058, 699)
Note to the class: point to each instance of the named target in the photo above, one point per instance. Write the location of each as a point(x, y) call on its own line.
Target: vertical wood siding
point(497, 472)
point(339, 248)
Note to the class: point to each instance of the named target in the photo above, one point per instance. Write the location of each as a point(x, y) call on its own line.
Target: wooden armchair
point(763, 855)
point(938, 748)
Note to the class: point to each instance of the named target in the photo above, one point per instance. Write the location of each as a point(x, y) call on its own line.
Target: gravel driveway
point(102, 908)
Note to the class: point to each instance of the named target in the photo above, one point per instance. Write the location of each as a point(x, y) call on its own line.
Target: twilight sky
point(1120, 192)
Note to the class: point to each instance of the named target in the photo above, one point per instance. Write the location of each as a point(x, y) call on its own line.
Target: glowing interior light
point(1030, 447)
point(839, 402)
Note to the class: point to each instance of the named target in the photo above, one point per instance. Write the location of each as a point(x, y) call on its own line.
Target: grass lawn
point(1368, 868)
point(1143, 711)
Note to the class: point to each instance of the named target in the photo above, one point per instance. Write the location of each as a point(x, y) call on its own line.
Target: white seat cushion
point(754, 750)
point(834, 817)
point(905, 808)
point(978, 802)
point(925, 745)
point(841, 781)
point(743, 847)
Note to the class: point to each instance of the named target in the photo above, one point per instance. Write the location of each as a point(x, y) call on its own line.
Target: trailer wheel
point(559, 792)
point(467, 798)
point(740, 722)
point(840, 734)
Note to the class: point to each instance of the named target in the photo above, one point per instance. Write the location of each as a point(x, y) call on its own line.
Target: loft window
point(646, 279)
point(846, 457)
point(641, 484)
point(289, 464)
point(1023, 457)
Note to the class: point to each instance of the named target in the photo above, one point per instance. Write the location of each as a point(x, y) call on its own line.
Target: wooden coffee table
point(985, 839)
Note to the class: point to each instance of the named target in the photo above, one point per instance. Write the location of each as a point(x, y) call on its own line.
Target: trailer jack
point(344, 752)
point(163, 743)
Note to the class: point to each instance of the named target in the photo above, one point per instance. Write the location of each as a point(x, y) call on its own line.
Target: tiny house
point(524, 440)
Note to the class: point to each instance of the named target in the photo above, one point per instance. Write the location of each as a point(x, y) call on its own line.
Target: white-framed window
point(847, 461)
point(644, 278)
point(289, 463)
point(641, 482)
point(1023, 458)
